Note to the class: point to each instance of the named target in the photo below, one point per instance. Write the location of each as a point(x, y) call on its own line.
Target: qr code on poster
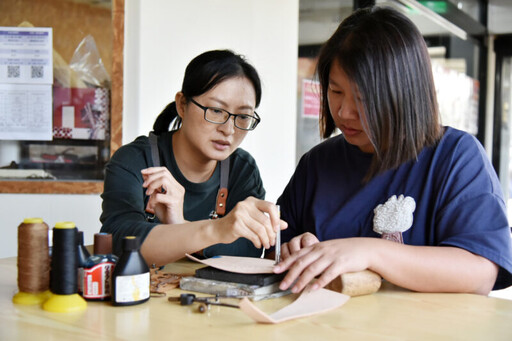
point(37, 71)
point(13, 71)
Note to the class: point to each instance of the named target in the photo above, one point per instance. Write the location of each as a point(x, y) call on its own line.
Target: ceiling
point(319, 18)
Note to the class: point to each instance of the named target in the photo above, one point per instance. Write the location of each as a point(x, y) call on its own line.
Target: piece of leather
point(307, 304)
point(242, 265)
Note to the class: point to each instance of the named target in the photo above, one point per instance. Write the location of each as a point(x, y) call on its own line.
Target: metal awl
point(278, 239)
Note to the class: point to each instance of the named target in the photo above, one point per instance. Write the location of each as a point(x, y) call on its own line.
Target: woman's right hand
point(298, 243)
point(248, 219)
point(166, 195)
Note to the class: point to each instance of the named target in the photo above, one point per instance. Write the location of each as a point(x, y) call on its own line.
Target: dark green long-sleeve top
point(124, 200)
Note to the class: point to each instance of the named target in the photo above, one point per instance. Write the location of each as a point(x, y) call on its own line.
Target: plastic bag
point(88, 66)
point(81, 98)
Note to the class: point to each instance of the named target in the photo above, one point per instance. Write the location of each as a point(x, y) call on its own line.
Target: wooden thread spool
point(64, 271)
point(33, 262)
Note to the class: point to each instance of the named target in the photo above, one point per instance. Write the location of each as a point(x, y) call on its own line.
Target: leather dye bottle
point(131, 279)
point(83, 256)
point(97, 284)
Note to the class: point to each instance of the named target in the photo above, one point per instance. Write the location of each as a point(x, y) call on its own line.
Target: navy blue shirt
point(458, 197)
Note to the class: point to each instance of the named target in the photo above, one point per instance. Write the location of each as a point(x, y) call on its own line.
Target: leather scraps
point(307, 304)
point(161, 282)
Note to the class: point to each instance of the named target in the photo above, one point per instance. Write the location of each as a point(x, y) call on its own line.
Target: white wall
point(161, 37)
point(83, 210)
point(171, 33)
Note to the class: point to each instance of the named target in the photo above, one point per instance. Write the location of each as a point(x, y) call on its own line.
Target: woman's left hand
point(166, 195)
point(297, 243)
point(328, 259)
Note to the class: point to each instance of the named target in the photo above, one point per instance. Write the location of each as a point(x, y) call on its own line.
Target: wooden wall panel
point(72, 20)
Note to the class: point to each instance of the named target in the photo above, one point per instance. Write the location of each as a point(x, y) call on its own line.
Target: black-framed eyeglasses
point(221, 116)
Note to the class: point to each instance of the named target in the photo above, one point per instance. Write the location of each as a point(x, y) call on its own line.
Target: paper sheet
point(26, 55)
point(25, 112)
point(26, 78)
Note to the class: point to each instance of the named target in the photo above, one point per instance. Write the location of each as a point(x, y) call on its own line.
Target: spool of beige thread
point(33, 262)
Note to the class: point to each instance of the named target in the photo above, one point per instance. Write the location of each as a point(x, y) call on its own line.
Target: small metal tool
point(205, 302)
point(278, 240)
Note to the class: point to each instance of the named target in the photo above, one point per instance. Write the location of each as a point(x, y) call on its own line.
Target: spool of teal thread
point(131, 278)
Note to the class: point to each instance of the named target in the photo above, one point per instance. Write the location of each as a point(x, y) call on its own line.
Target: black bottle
point(131, 279)
point(83, 254)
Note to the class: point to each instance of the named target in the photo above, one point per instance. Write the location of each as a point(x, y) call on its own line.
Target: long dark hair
point(385, 56)
point(202, 74)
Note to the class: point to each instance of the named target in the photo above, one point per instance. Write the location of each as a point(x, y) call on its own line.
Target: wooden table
point(392, 313)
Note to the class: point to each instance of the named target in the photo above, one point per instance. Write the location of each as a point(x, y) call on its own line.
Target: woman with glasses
point(395, 192)
point(174, 206)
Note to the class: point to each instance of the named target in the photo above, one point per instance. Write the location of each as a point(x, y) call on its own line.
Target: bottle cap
point(102, 243)
point(130, 243)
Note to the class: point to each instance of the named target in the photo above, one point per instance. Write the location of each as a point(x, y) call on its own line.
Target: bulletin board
point(76, 155)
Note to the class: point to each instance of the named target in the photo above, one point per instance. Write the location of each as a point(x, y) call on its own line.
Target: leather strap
point(155, 157)
point(222, 194)
point(153, 142)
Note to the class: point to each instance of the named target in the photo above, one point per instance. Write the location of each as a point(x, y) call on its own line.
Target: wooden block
point(356, 283)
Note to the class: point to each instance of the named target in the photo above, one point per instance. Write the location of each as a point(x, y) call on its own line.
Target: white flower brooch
point(394, 217)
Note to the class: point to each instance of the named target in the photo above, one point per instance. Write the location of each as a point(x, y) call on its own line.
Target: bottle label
point(132, 288)
point(97, 281)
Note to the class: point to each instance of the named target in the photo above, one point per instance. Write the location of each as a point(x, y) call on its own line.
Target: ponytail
point(167, 116)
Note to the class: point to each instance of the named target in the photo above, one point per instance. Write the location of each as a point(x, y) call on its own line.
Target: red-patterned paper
point(80, 113)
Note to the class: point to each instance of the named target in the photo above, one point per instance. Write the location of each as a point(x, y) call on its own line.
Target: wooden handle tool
point(356, 283)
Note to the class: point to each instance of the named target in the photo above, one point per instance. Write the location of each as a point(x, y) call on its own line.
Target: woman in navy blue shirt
point(394, 172)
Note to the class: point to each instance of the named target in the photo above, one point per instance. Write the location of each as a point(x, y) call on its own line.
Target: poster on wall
point(80, 113)
point(310, 98)
point(26, 77)
point(26, 112)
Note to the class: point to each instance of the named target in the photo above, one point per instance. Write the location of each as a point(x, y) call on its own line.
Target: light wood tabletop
point(392, 313)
